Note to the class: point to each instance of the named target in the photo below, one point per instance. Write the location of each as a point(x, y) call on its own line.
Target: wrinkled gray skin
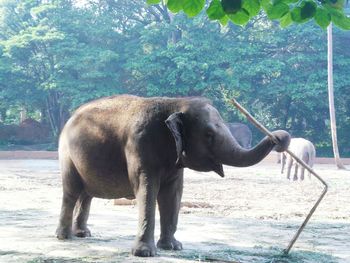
point(242, 134)
point(127, 146)
point(303, 149)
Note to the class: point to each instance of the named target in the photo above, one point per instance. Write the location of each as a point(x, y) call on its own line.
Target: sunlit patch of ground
point(248, 216)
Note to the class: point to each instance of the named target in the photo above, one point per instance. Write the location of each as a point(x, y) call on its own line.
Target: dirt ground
point(248, 216)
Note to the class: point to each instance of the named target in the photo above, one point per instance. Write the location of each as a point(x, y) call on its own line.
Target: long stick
point(274, 139)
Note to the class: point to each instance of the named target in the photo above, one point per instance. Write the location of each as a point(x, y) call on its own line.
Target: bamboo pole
point(274, 139)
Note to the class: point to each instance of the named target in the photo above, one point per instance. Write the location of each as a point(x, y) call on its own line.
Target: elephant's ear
point(175, 125)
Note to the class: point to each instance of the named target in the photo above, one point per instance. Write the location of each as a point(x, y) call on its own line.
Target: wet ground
point(248, 216)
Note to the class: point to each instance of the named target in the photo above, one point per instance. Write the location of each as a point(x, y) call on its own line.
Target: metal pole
point(274, 139)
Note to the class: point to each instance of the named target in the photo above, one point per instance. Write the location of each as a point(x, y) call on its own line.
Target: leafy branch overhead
point(286, 12)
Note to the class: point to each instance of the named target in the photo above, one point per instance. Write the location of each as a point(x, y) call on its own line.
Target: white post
point(331, 99)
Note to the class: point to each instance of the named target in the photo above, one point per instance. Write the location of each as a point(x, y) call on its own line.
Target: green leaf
point(308, 10)
point(252, 6)
point(152, 2)
point(337, 4)
point(193, 7)
point(231, 6)
point(265, 4)
point(239, 18)
point(289, 1)
point(224, 20)
point(277, 10)
point(215, 10)
point(175, 5)
point(296, 15)
point(322, 17)
point(340, 20)
point(286, 20)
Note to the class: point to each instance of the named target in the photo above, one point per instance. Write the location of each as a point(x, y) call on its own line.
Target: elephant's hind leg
point(169, 201)
point(289, 166)
point(81, 215)
point(283, 158)
point(72, 188)
point(306, 160)
point(295, 178)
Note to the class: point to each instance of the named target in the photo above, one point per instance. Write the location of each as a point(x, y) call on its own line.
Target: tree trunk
point(43, 116)
point(287, 110)
point(331, 99)
point(57, 113)
point(176, 35)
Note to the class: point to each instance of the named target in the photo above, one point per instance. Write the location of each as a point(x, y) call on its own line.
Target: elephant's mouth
point(205, 165)
point(218, 168)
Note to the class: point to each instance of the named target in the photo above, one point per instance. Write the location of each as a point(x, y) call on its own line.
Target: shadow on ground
point(256, 254)
point(227, 254)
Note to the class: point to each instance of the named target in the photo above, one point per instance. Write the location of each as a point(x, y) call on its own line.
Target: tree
point(57, 62)
point(322, 11)
point(51, 62)
point(287, 12)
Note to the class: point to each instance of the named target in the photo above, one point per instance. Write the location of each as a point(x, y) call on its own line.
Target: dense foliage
point(53, 57)
point(287, 12)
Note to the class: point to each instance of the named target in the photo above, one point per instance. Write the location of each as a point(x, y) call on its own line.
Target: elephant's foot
point(295, 178)
point(85, 232)
point(143, 249)
point(169, 244)
point(63, 233)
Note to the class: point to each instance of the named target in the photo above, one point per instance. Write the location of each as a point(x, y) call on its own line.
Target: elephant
point(130, 146)
point(303, 149)
point(242, 134)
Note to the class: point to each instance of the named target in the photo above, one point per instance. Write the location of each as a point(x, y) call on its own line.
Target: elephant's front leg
point(169, 201)
point(146, 194)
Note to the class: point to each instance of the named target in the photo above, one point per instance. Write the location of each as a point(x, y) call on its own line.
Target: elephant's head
point(204, 142)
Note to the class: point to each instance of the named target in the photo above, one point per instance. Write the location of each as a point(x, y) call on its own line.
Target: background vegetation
point(55, 56)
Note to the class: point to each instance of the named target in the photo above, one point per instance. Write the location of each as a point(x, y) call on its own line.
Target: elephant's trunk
point(229, 152)
point(240, 157)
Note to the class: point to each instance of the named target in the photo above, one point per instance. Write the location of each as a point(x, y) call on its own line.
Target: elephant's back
point(242, 133)
point(299, 143)
point(239, 128)
point(105, 117)
point(113, 120)
point(301, 147)
point(106, 104)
